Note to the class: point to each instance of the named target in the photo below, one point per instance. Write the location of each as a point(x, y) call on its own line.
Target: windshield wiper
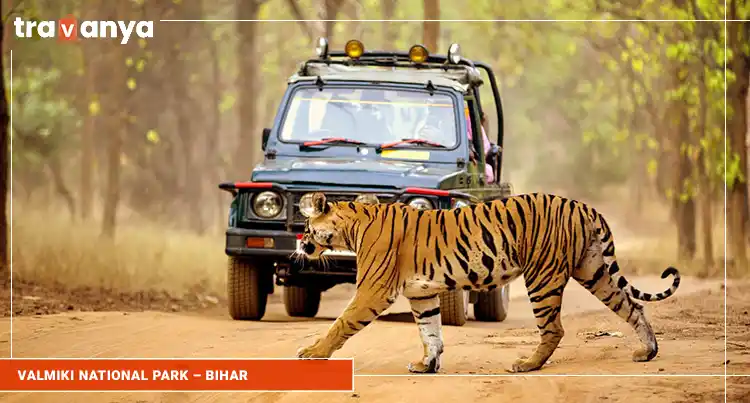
point(410, 141)
point(329, 140)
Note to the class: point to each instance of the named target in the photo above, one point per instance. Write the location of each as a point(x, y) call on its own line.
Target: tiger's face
point(323, 227)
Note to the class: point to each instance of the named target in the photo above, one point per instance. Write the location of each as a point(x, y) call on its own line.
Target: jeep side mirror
point(264, 141)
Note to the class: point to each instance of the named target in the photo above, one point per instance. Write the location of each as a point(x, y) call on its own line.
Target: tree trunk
point(329, 11)
point(706, 207)
point(431, 29)
point(356, 28)
point(685, 207)
point(112, 186)
point(117, 104)
point(664, 160)
point(747, 137)
point(4, 168)
point(705, 188)
point(248, 149)
point(737, 127)
point(388, 8)
point(639, 178)
point(90, 53)
point(185, 110)
point(213, 136)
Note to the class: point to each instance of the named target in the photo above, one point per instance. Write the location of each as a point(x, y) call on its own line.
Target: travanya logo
point(67, 29)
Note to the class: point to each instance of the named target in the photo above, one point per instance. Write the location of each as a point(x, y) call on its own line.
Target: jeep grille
point(333, 197)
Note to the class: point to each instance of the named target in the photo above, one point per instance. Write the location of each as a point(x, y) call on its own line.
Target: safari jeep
point(361, 125)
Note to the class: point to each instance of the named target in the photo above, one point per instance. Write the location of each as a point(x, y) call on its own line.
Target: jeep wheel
point(247, 289)
point(492, 306)
point(454, 307)
point(301, 301)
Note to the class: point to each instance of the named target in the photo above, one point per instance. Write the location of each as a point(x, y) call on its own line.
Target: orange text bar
point(175, 375)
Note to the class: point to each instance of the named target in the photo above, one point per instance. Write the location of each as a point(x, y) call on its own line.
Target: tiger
point(418, 253)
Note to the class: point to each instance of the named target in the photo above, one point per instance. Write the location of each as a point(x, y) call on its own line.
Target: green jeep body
point(300, 159)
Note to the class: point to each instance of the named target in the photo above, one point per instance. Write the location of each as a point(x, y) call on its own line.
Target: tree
point(327, 10)
point(119, 107)
point(186, 106)
point(739, 68)
point(4, 163)
point(90, 55)
point(431, 29)
point(247, 82)
point(593, 100)
point(389, 33)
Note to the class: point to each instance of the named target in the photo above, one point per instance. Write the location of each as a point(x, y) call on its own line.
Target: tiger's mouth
point(308, 250)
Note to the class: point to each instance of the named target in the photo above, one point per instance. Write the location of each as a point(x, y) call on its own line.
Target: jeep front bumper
point(278, 244)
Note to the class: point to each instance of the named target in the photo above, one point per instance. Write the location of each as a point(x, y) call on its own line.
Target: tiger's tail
point(608, 248)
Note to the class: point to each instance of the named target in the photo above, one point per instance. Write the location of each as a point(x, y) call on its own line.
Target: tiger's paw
point(524, 365)
point(313, 351)
point(643, 355)
point(419, 367)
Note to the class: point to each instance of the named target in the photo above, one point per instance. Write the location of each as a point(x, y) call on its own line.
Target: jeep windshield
point(372, 116)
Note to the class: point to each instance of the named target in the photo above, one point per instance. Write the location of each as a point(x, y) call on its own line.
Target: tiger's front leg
point(362, 309)
point(426, 311)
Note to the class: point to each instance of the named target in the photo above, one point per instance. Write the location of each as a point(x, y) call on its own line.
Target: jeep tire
point(301, 301)
point(454, 307)
point(247, 289)
point(492, 306)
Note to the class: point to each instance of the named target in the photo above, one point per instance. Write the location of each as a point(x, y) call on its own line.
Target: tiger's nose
point(308, 248)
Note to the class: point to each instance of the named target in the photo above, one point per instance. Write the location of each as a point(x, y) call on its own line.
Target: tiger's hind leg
point(426, 311)
point(594, 275)
point(545, 294)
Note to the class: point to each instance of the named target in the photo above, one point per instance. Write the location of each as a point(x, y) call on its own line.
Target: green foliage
point(731, 171)
point(43, 122)
point(585, 102)
point(38, 107)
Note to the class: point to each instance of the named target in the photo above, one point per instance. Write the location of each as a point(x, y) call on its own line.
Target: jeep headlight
point(420, 203)
point(458, 203)
point(267, 204)
point(367, 198)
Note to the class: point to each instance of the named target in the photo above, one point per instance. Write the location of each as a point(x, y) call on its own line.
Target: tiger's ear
point(313, 205)
point(319, 204)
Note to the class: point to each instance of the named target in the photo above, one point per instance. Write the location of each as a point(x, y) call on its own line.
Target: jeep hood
point(355, 172)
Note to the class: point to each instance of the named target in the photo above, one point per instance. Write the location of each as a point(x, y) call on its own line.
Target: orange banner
point(122, 374)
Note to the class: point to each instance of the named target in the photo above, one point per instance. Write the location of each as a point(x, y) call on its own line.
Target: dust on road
point(689, 326)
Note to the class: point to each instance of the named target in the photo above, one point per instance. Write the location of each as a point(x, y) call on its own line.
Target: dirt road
point(690, 329)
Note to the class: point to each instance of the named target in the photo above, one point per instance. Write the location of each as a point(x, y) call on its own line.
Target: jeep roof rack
point(418, 57)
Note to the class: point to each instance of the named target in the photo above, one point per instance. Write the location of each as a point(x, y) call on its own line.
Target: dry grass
point(651, 250)
point(49, 248)
point(646, 238)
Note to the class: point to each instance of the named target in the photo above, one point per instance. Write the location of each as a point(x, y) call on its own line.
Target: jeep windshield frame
point(433, 61)
point(371, 114)
point(458, 150)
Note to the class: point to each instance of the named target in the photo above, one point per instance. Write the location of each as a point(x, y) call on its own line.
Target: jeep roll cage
point(395, 59)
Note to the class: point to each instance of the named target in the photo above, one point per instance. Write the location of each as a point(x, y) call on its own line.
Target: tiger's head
point(325, 227)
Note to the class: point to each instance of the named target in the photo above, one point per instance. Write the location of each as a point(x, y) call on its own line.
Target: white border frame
point(725, 364)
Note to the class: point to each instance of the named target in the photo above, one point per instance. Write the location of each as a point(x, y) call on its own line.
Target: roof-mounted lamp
point(454, 53)
point(322, 48)
point(418, 54)
point(354, 49)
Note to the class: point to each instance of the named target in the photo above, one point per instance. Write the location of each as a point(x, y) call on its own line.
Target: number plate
point(331, 252)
